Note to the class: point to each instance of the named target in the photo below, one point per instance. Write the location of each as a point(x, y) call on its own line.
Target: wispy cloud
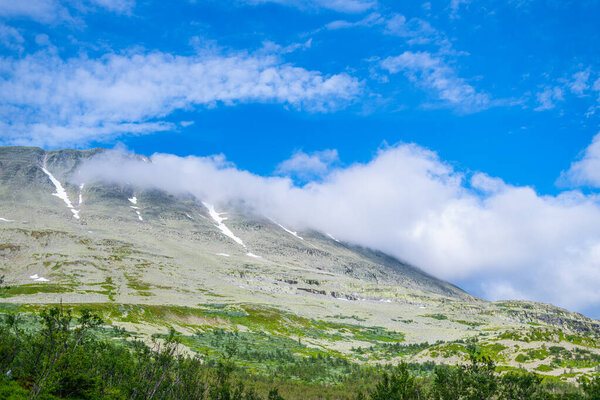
point(347, 6)
point(583, 83)
point(548, 98)
point(415, 30)
point(55, 11)
point(371, 19)
point(119, 6)
point(433, 74)
point(409, 203)
point(579, 83)
point(455, 6)
point(10, 38)
point(44, 11)
point(308, 166)
point(45, 100)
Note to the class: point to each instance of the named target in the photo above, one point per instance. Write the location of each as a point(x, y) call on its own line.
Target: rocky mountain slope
point(147, 260)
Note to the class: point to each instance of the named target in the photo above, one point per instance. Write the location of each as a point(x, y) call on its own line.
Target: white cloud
point(410, 204)
point(119, 6)
point(487, 184)
point(368, 21)
point(10, 38)
point(432, 73)
point(455, 6)
point(54, 11)
point(416, 30)
point(307, 166)
point(585, 172)
point(47, 101)
point(45, 11)
point(579, 84)
point(348, 6)
point(548, 98)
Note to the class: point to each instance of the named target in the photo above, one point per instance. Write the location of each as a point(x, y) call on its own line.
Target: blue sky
point(310, 90)
point(513, 54)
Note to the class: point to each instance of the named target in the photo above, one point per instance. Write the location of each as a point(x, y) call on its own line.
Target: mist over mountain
point(500, 241)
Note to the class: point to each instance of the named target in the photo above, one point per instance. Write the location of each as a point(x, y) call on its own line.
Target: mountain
point(147, 260)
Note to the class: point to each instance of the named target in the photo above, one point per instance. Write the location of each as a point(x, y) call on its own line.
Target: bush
point(59, 356)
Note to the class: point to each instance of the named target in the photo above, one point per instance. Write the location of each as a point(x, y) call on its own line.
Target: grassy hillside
point(147, 261)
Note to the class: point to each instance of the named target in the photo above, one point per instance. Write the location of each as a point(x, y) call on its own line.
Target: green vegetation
point(439, 317)
point(62, 354)
point(34, 288)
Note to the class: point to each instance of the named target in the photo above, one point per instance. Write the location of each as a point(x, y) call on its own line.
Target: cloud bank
point(48, 101)
point(496, 239)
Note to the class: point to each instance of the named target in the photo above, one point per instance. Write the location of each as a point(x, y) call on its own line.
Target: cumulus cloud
point(585, 172)
point(409, 203)
point(48, 101)
point(348, 6)
point(307, 166)
point(432, 73)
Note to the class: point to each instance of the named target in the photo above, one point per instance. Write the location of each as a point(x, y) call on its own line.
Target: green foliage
point(397, 385)
point(439, 317)
point(66, 354)
point(34, 288)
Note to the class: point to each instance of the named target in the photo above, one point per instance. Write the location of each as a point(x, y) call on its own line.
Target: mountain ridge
point(134, 249)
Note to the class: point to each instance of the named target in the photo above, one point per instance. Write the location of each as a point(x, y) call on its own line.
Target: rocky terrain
point(148, 260)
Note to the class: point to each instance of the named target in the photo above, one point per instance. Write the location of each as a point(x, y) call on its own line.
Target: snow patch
point(287, 230)
point(37, 278)
point(61, 193)
point(223, 254)
point(331, 237)
point(81, 194)
point(252, 255)
point(189, 216)
point(134, 200)
point(219, 224)
point(7, 220)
